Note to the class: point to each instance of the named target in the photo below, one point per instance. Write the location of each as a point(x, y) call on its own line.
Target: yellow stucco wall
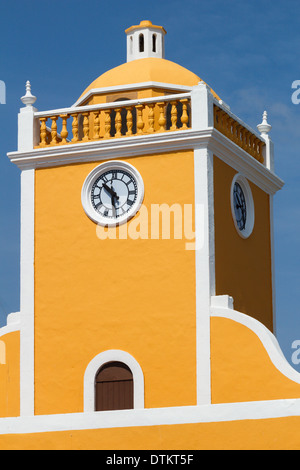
point(94, 295)
point(264, 434)
point(241, 369)
point(243, 266)
point(10, 375)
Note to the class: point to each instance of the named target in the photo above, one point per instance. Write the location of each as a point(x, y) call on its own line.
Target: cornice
point(132, 87)
point(151, 144)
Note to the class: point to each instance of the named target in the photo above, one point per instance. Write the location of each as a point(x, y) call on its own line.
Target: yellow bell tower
point(146, 267)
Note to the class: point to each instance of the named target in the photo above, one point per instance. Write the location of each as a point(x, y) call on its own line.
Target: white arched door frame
point(111, 356)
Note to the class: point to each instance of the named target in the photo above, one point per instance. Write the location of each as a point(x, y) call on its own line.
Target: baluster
point(64, 131)
point(251, 145)
point(107, 124)
point(260, 151)
point(184, 116)
point(86, 127)
point(225, 123)
point(96, 125)
point(54, 140)
point(221, 121)
point(245, 138)
point(235, 132)
point(43, 132)
point(140, 123)
point(75, 128)
point(227, 129)
point(162, 118)
point(216, 117)
point(118, 122)
point(230, 127)
point(151, 118)
point(129, 120)
point(238, 135)
point(174, 116)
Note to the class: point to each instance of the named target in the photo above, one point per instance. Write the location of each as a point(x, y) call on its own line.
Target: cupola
point(144, 41)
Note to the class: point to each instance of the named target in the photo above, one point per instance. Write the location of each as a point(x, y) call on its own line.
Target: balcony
point(114, 120)
point(164, 123)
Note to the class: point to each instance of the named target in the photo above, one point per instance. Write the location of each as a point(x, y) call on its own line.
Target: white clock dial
point(112, 193)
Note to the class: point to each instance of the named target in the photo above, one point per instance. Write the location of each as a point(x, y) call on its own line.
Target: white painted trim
point(267, 338)
point(202, 107)
point(131, 87)
point(256, 410)
point(13, 318)
point(99, 107)
point(158, 143)
point(27, 293)
point(243, 163)
point(99, 361)
point(10, 327)
point(28, 129)
point(205, 267)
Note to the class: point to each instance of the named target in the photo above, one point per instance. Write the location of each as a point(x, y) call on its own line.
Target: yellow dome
point(146, 70)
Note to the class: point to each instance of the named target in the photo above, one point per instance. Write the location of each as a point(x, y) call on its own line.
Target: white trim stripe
point(131, 87)
point(109, 356)
point(152, 417)
point(205, 272)
point(159, 143)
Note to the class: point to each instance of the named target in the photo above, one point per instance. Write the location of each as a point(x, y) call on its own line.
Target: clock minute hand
point(110, 191)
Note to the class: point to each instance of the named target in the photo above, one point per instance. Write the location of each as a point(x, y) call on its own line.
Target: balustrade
point(241, 136)
point(135, 118)
point(130, 119)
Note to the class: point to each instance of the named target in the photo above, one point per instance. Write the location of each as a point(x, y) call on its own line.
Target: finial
point(264, 127)
point(28, 99)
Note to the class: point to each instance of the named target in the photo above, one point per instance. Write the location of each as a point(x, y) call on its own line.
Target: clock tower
point(146, 256)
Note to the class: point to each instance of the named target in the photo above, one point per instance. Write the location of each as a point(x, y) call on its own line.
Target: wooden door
point(114, 387)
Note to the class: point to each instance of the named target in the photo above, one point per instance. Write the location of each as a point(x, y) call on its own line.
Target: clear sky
point(247, 51)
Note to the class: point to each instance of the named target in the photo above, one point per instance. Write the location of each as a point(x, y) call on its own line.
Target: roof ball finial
point(28, 99)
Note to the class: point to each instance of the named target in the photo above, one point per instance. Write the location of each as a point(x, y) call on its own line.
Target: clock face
point(240, 208)
point(112, 193)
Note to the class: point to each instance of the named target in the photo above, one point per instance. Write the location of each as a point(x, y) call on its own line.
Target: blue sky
point(248, 52)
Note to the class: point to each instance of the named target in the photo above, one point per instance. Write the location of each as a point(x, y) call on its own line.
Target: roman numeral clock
point(112, 193)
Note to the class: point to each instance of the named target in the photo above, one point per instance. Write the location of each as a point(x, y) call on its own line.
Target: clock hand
point(110, 191)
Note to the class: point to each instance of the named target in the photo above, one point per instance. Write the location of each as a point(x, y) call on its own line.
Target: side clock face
point(112, 193)
point(240, 208)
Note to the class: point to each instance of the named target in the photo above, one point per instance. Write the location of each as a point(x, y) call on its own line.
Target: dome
point(146, 70)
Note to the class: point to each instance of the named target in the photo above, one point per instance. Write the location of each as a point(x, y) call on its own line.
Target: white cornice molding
point(153, 144)
point(244, 163)
point(131, 87)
